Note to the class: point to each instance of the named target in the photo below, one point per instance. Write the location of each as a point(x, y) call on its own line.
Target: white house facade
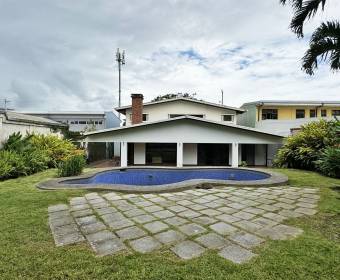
point(183, 132)
point(13, 122)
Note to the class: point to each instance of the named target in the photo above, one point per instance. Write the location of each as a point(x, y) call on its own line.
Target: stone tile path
point(229, 220)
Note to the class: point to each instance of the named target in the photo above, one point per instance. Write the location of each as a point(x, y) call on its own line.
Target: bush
point(329, 162)
point(56, 148)
point(12, 165)
point(36, 161)
point(305, 148)
point(72, 166)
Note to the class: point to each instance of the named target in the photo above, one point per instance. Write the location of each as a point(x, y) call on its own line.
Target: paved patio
point(229, 220)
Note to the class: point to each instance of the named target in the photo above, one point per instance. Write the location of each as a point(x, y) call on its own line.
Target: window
point(269, 114)
point(335, 113)
point(72, 122)
point(227, 118)
point(75, 122)
point(82, 122)
point(323, 113)
point(171, 116)
point(100, 122)
point(312, 113)
point(300, 113)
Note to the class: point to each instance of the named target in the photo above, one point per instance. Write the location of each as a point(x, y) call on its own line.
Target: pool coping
point(58, 183)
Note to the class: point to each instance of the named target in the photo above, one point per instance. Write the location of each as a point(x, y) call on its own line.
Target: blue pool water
point(149, 177)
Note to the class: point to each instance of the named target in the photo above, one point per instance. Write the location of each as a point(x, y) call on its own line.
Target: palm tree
point(325, 41)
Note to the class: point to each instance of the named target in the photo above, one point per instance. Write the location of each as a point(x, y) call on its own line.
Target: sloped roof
point(294, 102)
point(23, 118)
point(123, 108)
point(181, 118)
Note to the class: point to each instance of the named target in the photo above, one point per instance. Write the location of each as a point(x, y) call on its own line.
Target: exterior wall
point(185, 131)
point(189, 154)
point(105, 120)
point(162, 111)
point(6, 129)
point(139, 153)
point(248, 118)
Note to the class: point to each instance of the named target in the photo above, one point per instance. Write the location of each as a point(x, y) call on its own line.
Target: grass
point(27, 250)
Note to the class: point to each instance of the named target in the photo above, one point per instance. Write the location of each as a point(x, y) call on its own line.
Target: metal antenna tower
point(120, 58)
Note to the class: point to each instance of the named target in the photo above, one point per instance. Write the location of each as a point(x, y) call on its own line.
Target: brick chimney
point(137, 108)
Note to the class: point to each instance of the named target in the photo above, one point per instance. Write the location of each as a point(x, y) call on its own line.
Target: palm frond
point(329, 29)
point(296, 4)
point(322, 50)
point(307, 10)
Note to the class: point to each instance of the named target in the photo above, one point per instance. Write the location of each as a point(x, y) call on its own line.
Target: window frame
point(230, 115)
point(310, 113)
point(300, 111)
point(269, 112)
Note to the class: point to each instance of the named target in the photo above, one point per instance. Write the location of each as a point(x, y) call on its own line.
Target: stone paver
point(156, 226)
point(130, 233)
point(230, 219)
point(236, 254)
point(223, 228)
point(145, 245)
point(212, 241)
point(192, 229)
point(170, 236)
point(188, 250)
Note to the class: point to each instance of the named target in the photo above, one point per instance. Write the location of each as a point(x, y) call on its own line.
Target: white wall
point(162, 111)
point(139, 153)
point(272, 150)
point(283, 127)
point(190, 154)
point(6, 129)
point(185, 131)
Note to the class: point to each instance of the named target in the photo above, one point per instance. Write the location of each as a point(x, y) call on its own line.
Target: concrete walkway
point(229, 220)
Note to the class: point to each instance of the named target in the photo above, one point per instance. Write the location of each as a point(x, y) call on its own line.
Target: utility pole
point(6, 101)
point(120, 58)
point(222, 96)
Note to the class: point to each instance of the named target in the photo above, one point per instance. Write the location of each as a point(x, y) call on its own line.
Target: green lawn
point(27, 250)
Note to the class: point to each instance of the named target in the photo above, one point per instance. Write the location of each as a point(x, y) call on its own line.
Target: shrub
point(305, 148)
point(72, 166)
point(36, 161)
point(329, 162)
point(12, 165)
point(56, 148)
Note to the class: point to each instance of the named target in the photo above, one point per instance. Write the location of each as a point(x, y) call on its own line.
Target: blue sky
point(59, 55)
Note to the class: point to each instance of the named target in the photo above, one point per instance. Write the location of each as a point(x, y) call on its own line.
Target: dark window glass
point(312, 113)
point(335, 113)
point(323, 113)
point(269, 114)
point(227, 118)
point(82, 122)
point(145, 117)
point(300, 113)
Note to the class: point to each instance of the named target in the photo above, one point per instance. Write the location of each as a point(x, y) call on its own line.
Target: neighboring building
point(183, 131)
point(82, 121)
point(11, 122)
point(180, 106)
point(286, 117)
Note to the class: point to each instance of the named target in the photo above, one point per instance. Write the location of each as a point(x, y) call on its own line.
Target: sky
point(60, 55)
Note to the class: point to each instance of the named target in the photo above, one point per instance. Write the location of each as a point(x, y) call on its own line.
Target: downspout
point(259, 105)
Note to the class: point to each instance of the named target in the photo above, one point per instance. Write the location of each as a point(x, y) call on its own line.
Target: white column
point(123, 154)
point(179, 154)
point(234, 154)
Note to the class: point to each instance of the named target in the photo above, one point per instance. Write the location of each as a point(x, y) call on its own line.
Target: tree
point(174, 95)
point(324, 44)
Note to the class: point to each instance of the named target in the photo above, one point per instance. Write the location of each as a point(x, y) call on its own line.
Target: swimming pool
point(151, 177)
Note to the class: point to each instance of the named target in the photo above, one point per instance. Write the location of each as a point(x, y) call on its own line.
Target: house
point(12, 122)
point(78, 121)
point(82, 121)
point(286, 117)
point(183, 131)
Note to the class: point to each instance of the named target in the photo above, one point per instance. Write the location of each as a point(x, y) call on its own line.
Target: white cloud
point(59, 55)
